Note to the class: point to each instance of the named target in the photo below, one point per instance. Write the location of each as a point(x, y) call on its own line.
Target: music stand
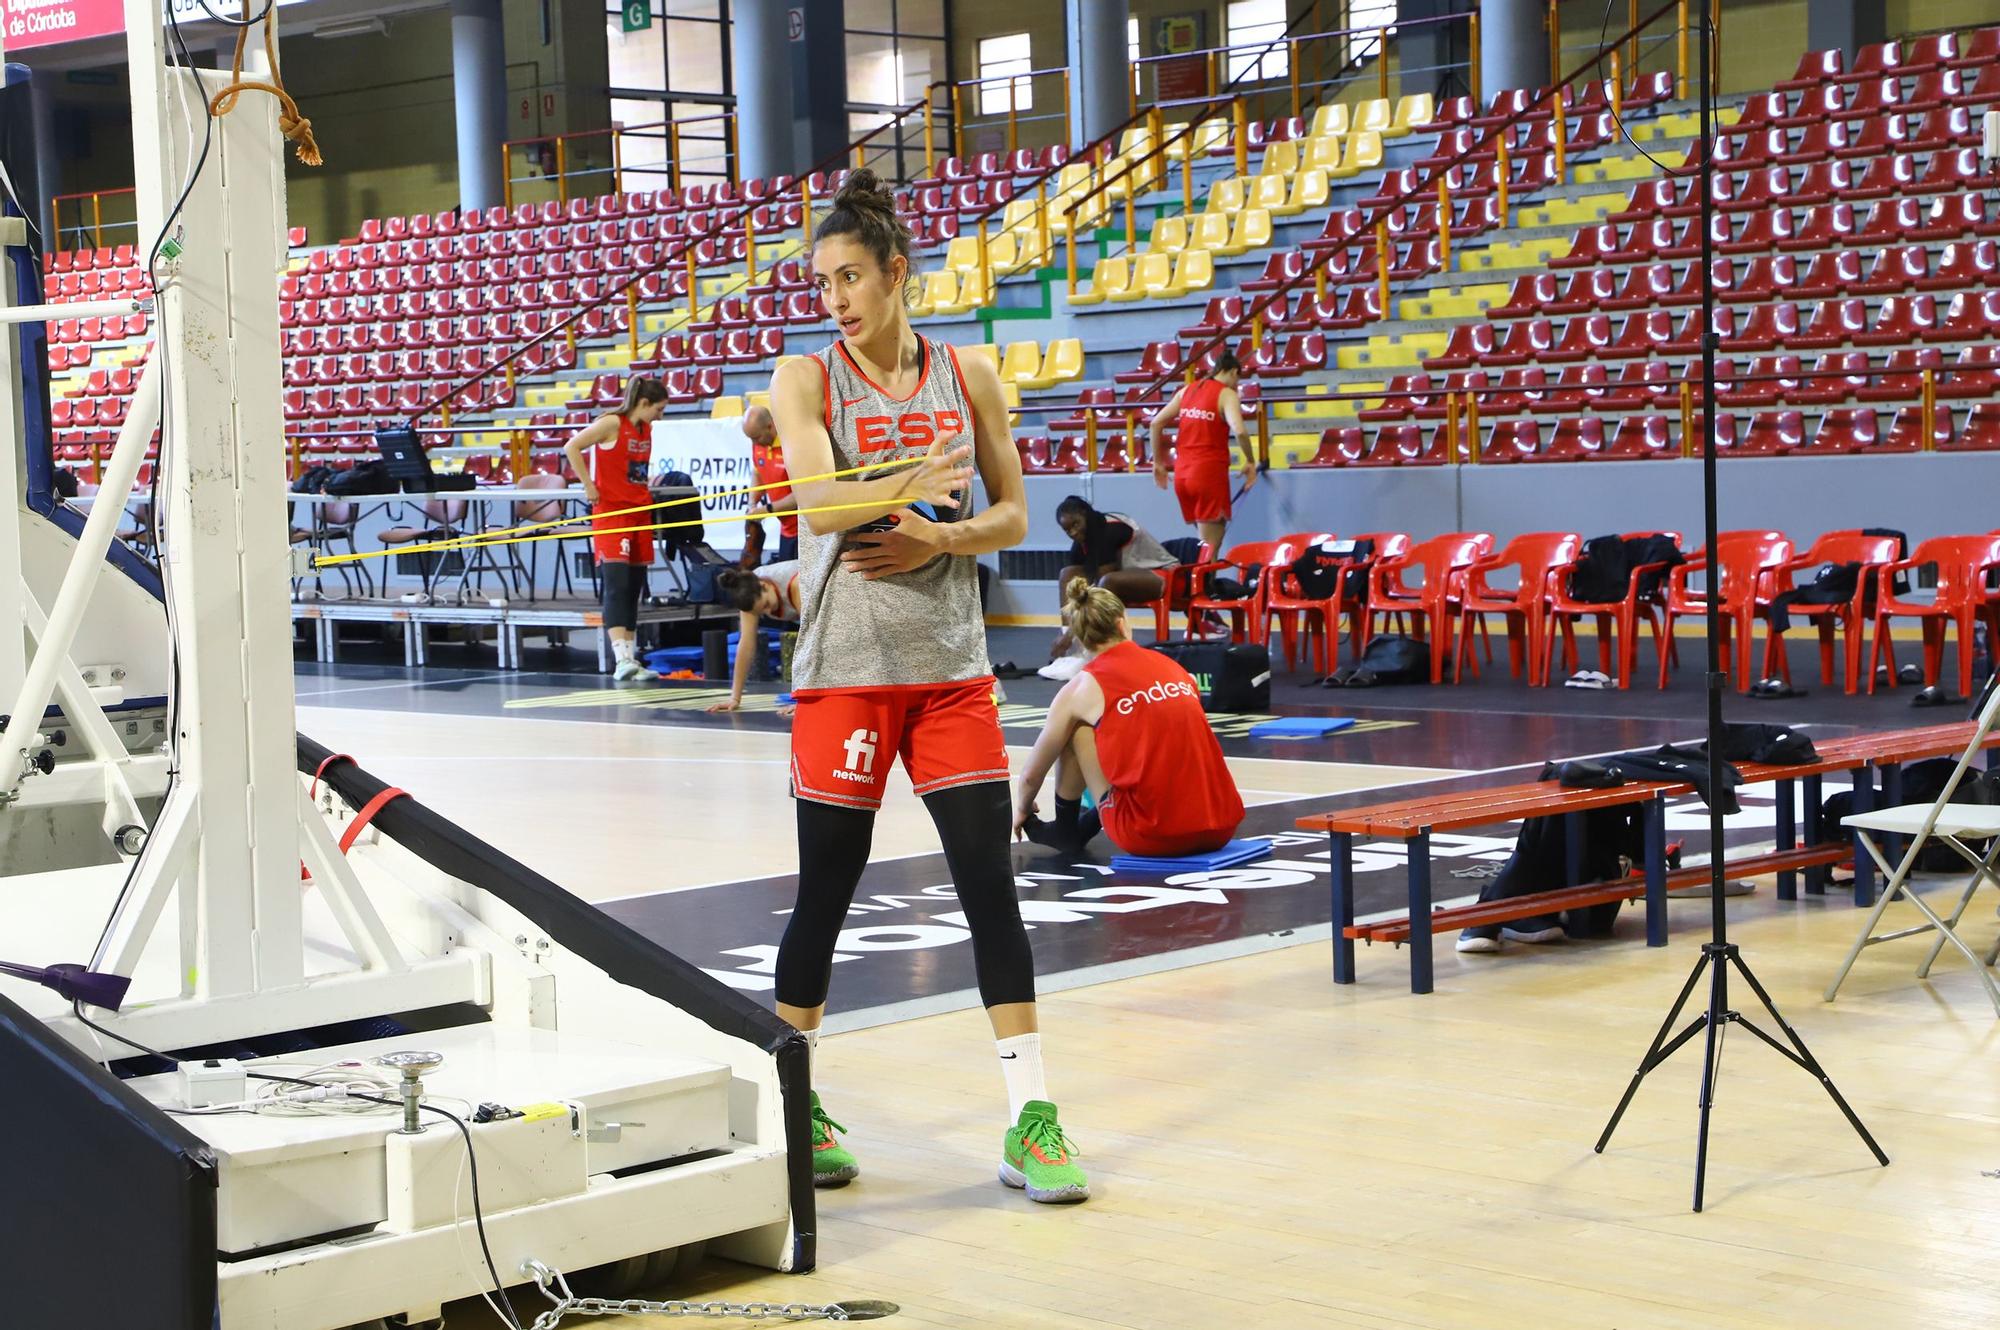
point(1718, 955)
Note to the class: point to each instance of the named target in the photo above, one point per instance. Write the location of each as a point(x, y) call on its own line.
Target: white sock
point(1021, 1064)
point(622, 649)
point(812, 1056)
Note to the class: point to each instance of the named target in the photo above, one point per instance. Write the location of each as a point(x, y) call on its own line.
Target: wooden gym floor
point(1269, 1150)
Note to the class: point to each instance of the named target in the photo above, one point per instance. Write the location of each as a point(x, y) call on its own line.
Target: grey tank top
point(920, 627)
point(1142, 551)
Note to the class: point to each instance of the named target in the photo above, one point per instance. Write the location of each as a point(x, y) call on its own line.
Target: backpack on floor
point(1230, 677)
point(1922, 783)
point(1392, 658)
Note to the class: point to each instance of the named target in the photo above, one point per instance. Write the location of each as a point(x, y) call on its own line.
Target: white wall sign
point(717, 455)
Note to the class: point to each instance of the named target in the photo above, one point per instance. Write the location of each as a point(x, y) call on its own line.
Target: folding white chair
point(1953, 824)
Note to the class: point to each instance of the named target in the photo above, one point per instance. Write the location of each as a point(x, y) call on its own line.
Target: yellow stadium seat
point(1210, 134)
point(1310, 189)
point(1373, 115)
point(1412, 109)
point(1169, 236)
point(1112, 274)
point(1089, 212)
point(1226, 196)
point(1020, 361)
point(972, 293)
point(1010, 393)
point(1281, 158)
point(1251, 231)
point(1176, 148)
point(962, 254)
point(1063, 363)
point(1362, 153)
point(762, 399)
point(1020, 215)
point(1209, 230)
point(1321, 154)
point(1331, 121)
point(1194, 270)
point(1028, 251)
point(724, 407)
point(1074, 178)
point(939, 288)
point(1151, 276)
point(986, 349)
point(1269, 192)
point(1134, 141)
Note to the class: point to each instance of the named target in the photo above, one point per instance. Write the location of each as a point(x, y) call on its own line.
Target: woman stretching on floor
point(1130, 729)
point(769, 592)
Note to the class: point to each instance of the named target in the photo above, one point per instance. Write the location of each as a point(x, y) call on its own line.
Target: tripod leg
point(1718, 1008)
point(1807, 1060)
point(1655, 1052)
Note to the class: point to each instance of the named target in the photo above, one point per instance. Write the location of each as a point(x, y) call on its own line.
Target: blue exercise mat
point(1299, 727)
point(1235, 852)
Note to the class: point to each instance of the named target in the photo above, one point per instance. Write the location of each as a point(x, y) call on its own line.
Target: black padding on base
point(620, 952)
point(107, 1205)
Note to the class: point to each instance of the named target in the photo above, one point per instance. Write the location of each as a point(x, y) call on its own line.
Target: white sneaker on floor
point(1062, 669)
point(631, 671)
point(1480, 941)
point(1536, 935)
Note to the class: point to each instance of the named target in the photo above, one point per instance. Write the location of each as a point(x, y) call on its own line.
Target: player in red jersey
point(611, 457)
point(1210, 414)
point(1130, 729)
point(767, 457)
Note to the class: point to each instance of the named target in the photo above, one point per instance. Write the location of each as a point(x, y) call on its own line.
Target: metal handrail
point(614, 132)
point(1375, 224)
point(96, 197)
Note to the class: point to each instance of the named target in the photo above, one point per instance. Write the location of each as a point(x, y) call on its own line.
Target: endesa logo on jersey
point(1158, 692)
point(913, 429)
point(1197, 413)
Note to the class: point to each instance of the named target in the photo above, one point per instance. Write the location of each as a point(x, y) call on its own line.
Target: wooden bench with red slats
point(1414, 820)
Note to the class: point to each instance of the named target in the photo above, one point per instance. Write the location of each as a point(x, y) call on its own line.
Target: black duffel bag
point(1230, 677)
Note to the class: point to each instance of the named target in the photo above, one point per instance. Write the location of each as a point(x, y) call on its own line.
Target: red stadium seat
point(1583, 337)
point(1576, 439)
point(1870, 138)
point(1842, 431)
point(1770, 434)
point(1832, 323)
point(1826, 226)
point(1637, 438)
point(1847, 371)
point(1645, 285)
point(1900, 319)
point(1962, 264)
point(1511, 441)
point(1641, 384)
point(1583, 292)
point(1899, 379)
point(1906, 432)
point(1890, 176)
point(1594, 245)
point(1894, 270)
point(1982, 430)
point(1469, 344)
point(1521, 342)
point(1973, 316)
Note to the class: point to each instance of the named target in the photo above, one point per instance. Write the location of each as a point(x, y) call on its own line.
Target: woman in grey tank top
point(891, 658)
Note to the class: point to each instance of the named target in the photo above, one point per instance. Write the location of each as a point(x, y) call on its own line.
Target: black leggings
point(622, 583)
point(973, 821)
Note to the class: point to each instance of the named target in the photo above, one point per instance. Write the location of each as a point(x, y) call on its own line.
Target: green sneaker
point(833, 1163)
point(1037, 1156)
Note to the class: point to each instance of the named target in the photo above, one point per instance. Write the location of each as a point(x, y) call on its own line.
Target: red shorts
point(947, 734)
point(631, 543)
point(1136, 835)
point(1203, 489)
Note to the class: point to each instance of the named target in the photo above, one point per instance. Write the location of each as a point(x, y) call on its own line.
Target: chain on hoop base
point(556, 1289)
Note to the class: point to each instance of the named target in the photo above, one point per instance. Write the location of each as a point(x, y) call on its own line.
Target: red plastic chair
point(1961, 601)
point(1432, 604)
point(1747, 572)
point(1246, 560)
point(1617, 621)
point(1534, 555)
point(1850, 617)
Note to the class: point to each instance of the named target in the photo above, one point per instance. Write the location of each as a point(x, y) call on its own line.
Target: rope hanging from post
point(290, 123)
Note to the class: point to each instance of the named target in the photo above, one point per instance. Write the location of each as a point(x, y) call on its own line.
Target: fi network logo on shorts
point(860, 748)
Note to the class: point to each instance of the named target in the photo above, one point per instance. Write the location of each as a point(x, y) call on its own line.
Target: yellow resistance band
point(502, 537)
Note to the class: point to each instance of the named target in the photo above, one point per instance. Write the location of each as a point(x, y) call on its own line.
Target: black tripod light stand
point(1719, 956)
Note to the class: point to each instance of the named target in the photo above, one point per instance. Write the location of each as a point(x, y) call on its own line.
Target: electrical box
point(538, 1156)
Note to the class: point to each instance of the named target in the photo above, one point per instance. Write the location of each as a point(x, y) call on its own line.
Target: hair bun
point(864, 189)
